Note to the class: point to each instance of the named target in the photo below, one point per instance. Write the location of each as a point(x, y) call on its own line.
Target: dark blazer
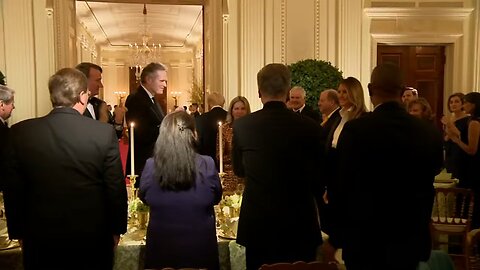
point(3, 140)
point(147, 117)
point(171, 238)
point(65, 184)
point(207, 131)
point(387, 162)
point(96, 102)
point(278, 153)
point(307, 111)
point(329, 127)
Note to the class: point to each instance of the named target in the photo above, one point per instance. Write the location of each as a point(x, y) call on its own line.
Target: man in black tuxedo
point(297, 101)
point(387, 207)
point(146, 114)
point(207, 126)
point(65, 189)
point(96, 108)
point(279, 155)
point(6, 107)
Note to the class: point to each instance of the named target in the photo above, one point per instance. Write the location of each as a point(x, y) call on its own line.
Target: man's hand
point(119, 113)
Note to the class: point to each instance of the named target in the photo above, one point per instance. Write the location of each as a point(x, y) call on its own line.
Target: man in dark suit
point(6, 107)
point(279, 154)
point(207, 126)
point(387, 207)
point(329, 107)
point(65, 189)
point(146, 114)
point(96, 108)
point(297, 102)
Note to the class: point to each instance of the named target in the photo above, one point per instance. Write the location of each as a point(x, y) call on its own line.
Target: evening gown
point(181, 231)
point(472, 180)
point(455, 157)
point(230, 181)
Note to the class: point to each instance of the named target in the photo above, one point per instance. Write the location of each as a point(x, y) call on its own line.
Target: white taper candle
point(132, 150)
point(220, 146)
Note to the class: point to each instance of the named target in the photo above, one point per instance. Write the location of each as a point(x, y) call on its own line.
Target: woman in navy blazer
point(181, 187)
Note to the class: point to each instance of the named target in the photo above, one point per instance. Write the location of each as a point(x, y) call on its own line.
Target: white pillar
point(252, 48)
point(20, 56)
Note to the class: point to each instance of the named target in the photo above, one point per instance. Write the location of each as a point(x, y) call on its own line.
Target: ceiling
point(119, 24)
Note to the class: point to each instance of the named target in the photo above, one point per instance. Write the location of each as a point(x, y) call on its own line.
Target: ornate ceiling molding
point(417, 12)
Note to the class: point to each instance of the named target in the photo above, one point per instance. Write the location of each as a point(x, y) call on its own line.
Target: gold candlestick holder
point(133, 190)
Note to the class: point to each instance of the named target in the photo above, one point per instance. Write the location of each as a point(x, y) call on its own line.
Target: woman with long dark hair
point(181, 187)
point(471, 176)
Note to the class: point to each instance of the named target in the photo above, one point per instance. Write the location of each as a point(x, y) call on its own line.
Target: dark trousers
point(69, 254)
point(270, 253)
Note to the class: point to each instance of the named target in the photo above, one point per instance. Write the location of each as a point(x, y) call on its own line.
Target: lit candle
point(132, 155)
point(220, 146)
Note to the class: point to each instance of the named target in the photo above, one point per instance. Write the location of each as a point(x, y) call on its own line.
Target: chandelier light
point(144, 53)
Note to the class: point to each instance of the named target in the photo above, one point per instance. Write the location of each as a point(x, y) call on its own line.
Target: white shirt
point(345, 117)
point(148, 93)
point(300, 109)
point(91, 110)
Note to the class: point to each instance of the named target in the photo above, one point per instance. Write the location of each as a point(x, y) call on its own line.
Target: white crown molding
point(416, 38)
point(418, 12)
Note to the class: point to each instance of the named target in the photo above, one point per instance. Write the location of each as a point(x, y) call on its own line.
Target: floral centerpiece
point(139, 210)
point(228, 214)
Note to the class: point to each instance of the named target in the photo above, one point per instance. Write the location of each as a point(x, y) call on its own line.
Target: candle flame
point(219, 123)
point(132, 124)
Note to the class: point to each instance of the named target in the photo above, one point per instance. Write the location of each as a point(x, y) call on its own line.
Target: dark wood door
point(423, 68)
point(134, 84)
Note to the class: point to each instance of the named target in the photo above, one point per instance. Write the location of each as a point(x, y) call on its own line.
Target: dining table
point(129, 254)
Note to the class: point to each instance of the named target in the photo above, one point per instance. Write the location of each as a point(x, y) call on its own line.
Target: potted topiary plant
point(315, 76)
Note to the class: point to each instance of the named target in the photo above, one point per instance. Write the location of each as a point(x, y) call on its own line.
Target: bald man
point(372, 153)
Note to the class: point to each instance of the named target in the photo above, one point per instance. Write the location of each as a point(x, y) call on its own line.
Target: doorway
point(423, 69)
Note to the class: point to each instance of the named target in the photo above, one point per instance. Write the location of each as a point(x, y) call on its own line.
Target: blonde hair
point(232, 103)
point(215, 99)
point(355, 95)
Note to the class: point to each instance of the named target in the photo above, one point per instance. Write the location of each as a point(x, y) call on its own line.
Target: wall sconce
point(175, 95)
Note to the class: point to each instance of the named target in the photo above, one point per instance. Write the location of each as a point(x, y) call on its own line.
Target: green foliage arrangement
point(315, 76)
point(137, 206)
point(2, 79)
point(196, 94)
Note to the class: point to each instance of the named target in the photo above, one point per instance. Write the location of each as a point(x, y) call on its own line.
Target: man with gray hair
point(207, 125)
point(6, 107)
point(64, 183)
point(146, 113)
point(297, 102)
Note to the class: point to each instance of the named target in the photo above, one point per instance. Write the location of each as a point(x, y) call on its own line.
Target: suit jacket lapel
point(87, 113)
point(154, 106)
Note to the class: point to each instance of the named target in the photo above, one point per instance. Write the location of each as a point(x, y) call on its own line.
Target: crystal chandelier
point(144, 53)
